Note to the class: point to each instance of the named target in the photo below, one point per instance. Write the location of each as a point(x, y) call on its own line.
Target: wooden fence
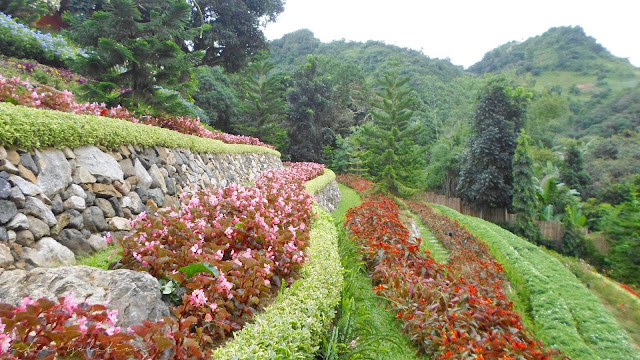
point(550, 229)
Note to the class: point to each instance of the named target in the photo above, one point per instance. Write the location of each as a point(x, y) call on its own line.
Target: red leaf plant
point(454, 311)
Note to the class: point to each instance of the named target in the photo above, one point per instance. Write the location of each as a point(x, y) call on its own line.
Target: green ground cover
point(430, 242)
point(564, 313)
point(29, 128)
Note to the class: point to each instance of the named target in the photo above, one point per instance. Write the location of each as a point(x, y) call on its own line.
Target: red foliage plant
point(454, 311)
point(356, 182)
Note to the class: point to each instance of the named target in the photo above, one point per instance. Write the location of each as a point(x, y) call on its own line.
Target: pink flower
point(112, 316)
point(113, 330)
point(82, 322)
point(108, 238)
point(70, 303)
point(197, 298)
point(213, 306)
point(5, 343)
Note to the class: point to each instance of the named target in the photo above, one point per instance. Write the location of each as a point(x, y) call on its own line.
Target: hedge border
point(30, 128)
point(293, 327)
point(319, 183)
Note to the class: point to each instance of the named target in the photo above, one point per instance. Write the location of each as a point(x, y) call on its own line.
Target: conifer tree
point(392, 156)
point(263, 107)
point(486, 176)
point(135, 56)
point(572, 172)
point(524, 194)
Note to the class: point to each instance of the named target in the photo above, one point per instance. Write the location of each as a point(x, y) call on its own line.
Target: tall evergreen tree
point(135, 54)
point(307, 100)
point(263, 107)
point(392, 156)
point(572, 172)
point(486, 176)
point(525, 203)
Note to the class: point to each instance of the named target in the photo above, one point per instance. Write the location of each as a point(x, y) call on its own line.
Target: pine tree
point(486, 176)
point(525, 203)
point(135, 56)
point(392, 156)
point(263, 108)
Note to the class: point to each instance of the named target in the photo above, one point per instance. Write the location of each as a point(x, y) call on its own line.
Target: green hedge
point(566, 315)
point(319, 183)
point(294, 325)
point(30, 128)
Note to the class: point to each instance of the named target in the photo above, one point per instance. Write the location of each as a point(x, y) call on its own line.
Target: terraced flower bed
point(223, 255)
point(565, 314)
point(453, 311)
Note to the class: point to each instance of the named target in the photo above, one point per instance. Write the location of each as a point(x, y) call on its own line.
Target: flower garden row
point(453, 311)
point(224, 254)
point(566, 315)
point(22, 92)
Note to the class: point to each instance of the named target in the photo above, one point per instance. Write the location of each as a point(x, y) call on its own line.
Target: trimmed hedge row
point(320, 182)
point(293, 326)
point(565, 314)
point(29, 128)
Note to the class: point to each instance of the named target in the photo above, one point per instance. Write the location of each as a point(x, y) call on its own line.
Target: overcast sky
point(462, 30)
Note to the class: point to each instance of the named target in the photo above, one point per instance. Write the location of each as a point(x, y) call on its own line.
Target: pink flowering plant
point(23, 92)
point(246, 242)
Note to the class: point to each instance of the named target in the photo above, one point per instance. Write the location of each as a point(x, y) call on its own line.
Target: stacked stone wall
point(57, 205)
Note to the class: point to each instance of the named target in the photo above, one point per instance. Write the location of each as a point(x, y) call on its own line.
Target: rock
point(13, 157)
point(75, 241)
point(132, 202)
point(25, 238)
point(4, 234)
point(48, 253)
point(153, 207)
point(25, 173)
point(170, 201)
point(116, 206)
point(98, 163)
point(104, 190)
point(12, 235)
point(97, 242)
point(126, 213)
point(37, 208)
point(94, 220)
point(78, 191)
point(122, 188)
point(171, 186)
point(8, 167)
point(3, 152)
point(91, 198)
point(143, 192)
point(27, 161)
point(63, 220)
point(5, 189)
point(136, 295)
point(68, 153)
point(7, 211)
point(17, 197)
point(38, 228)
point(19, 222)
point(6, 259)
point(77, 221)
point(75, 203)
point(83, 176)
point(55, 171)
point(119, 224)
point(27, 188)
point(105, 206)
point(158, 179)
point(157, 196)
point(56, 204)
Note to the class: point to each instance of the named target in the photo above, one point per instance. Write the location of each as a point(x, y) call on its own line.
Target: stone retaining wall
point(56, 205)
point(329, 197)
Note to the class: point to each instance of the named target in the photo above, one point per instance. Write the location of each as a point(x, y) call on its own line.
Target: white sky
point(463, 30)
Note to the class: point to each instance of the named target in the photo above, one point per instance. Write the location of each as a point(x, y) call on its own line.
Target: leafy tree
point(27, 11)
point(486, 176)
point(262, 106)
point(231, 30)
point(573, 240)
point(392, 157)
point(525, 203)
point(307, 99)
point(572, 171)
point(135, 53)
point(216, 96)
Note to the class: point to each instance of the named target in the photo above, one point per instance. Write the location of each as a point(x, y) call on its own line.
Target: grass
point(363, 327)
point(624, 306)
point(431, 243)
point(101, 259)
